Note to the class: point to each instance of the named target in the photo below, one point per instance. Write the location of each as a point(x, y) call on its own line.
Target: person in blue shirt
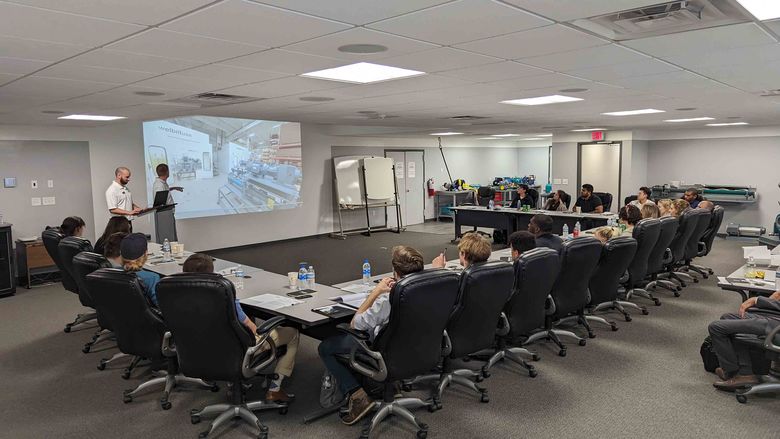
point(133, 252)
point(692, 196)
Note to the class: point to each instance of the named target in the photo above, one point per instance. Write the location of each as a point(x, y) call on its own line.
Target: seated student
point(706, 204)
point(629, 215)
point(541, 227)
point(115, 224)
point(522, 198)
point(133, 251)
point(693, 197)
point(679, 207)
point(520, 242)
point(758, 316)
point(649, 211)
point(588, 202)
point(371, 317)
point(643, 197)
point(665, 207)
point(473, 248)
point(604, 234)
point(73, 226)
point(556, 202)
point(282, 335)
point(111, 248)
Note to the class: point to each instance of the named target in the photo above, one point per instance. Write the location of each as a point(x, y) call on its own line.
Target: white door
point(410, 175)
point(600, 166)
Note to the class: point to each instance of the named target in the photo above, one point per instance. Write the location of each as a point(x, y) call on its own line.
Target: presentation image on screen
point(226, 165)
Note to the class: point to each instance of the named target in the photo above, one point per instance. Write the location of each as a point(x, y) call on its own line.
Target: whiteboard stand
point(397, 205)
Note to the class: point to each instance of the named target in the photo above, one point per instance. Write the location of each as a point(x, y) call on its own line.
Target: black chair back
point(484, 290)
point(701, 218)
point(534, 194)
point(535, 274)
point(421, 305)
point(709, 235)
point(484, 195)
point(567, 200)
point(579, 258)
point(629, 199)
point(606, 200)
point(51, 241)
point(85, 263)
point(669, 225)
point(200, 311)
point(616, 255)
point(680, 241)
point(138, 329)
point(646, 233)
point(68, 248)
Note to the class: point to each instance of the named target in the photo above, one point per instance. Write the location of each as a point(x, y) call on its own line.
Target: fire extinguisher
point(431, 187)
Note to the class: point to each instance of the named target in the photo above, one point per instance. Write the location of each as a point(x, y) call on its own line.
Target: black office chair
point(211, 344)
point(693, 247)
point(410, 344)
point(51, 241)
point(484, 290)
point(604, 285)
point(689, 221)
point(526, 311)
point(484, 195)
point(534, 194)
point(606, 200)
point(661, 255)
point(67, 249)
point(629, 199)
point(705, 245)
point(646, 233)
point(85, 263)
point(770, 383)
point(567, 200)
point(139, 330)
point(579, 258)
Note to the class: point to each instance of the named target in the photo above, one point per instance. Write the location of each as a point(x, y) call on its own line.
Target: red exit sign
point(597, 135)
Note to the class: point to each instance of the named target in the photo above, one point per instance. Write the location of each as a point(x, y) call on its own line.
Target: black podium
point(164, 222)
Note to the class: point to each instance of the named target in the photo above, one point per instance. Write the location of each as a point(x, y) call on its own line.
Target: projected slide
point(226, 165)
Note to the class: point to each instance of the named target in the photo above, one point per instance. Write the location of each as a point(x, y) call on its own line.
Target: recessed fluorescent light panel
point(542, 100)
point(363, 73)
point(581, 130)
point(726, 124)
point(448, 133)
point(489, 138)
point(543, 135)
point(90, 117)
point(532, 138)
point(506, 135)
point(690, 119)
point(762, 9)
point(633, 112)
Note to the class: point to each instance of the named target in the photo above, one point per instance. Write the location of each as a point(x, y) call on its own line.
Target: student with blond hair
point(649, 211)
point(665, 207)
point(472, 249)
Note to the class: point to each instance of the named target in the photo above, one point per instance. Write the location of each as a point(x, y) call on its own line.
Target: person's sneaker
point(721, 374)
point(736, 382)
point(359, 405)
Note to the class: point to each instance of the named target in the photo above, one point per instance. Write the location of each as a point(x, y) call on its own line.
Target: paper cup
point(578, 209)
point(292, 277)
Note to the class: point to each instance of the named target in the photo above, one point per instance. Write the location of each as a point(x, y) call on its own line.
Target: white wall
point(534, 161)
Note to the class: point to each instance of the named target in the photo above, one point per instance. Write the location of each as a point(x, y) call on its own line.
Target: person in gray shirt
point(372, 315)
point(161, 182)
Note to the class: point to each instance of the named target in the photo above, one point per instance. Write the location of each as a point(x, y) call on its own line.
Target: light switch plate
point(556, 181)
point(50, 183)
point(49, 201)
point(565, 181)
point(34, 184)
point(36, 201)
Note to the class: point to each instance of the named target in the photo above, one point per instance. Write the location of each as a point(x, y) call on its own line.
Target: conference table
point(513, 220)
point(737, 282)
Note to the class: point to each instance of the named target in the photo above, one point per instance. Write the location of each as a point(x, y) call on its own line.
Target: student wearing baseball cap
point(133, 252)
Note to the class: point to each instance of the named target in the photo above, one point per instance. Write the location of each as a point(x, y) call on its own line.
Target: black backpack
point(708, 355)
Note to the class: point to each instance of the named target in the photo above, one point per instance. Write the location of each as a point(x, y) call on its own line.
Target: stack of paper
point(760, 254)
point(353, 300)
point(271, 301)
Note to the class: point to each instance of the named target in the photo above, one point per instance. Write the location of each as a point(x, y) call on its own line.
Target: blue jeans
point(328, 350)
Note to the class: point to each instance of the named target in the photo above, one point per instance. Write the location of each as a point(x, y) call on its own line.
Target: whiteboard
point(349, 180)
point(380, 181)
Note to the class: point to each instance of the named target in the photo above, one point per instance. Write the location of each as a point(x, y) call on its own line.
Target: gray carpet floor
point(645, 380)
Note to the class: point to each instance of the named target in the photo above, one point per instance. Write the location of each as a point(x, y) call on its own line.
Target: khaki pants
point(285, 336)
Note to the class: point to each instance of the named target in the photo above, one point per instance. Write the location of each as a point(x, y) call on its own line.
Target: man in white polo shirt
point(118, 196)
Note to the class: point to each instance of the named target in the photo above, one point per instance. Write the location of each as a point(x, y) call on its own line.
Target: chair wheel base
point(101, 365)
point(283, 410)
point(422, 434)
point(562, 353)
point(583, 342)
point(86, 349)
point(126, 375)
point(484, 397)
point(194, 419)
point(533, 373)
point(67, 329)
point(742, 399)
point(536, 357)
point(203, 434)
point(590, 335)
point(627, 317)
point(676, 294)
point(645, 311)
point(127, 399)
point(657, 302)
point(614, 327)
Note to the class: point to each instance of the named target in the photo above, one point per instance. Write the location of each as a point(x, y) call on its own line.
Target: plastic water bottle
point(577, 228)
point(548, 187)
point(491, 204)
point(310, 278)
point(239, 272)
point(777, 280)
point(565, 231)
point(166, 248)
point(366, 271)
point(302, 274)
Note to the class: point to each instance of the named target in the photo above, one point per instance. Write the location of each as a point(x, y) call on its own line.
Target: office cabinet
point(7, 281)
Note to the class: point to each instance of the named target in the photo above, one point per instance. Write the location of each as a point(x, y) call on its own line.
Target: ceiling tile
point(51, 88)
point(436, 60)
point(45, 25)
point(132, 61)
point(282, 87)
point(6, 77)
point(566, 10)
point(346, 10)
point(38, 50)
point(737, 56)
point(278, 60)
point(585, 58)
point(537, 82)
point(18, 66)
point(534, 42)
point(710, 40)
point(418, 83)
point(188, 83)
point(237, 75)
point(328, 45)
point(656, 83)
point(99, 74)
point(135, 11)
point(754, 77)
point(494, 72)
point(121, 96)
point(164, 43)
point(461, 21)
point(253, 23)
point(639, 68)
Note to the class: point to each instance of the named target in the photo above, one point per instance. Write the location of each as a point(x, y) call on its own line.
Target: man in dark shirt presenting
point(588, 202)
point(541, 226)
point(522, 198)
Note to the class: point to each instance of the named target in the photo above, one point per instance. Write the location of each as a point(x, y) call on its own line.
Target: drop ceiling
point(92, 57)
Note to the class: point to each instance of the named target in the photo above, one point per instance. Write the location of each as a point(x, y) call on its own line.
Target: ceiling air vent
point(663, 18)
point(467, 117)
point(213, 100)
point(770, 93)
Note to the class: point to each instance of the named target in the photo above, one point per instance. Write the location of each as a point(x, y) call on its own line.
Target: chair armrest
point(503, 325)
point(668, 257)
point(769, 341)
point(624, 278)
point(269, 325)
point(549, 305)
point(168, 349)
point(702, 249)
point(379, 374)
point(248, 366)
point(360, 335)
point(446, 344)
